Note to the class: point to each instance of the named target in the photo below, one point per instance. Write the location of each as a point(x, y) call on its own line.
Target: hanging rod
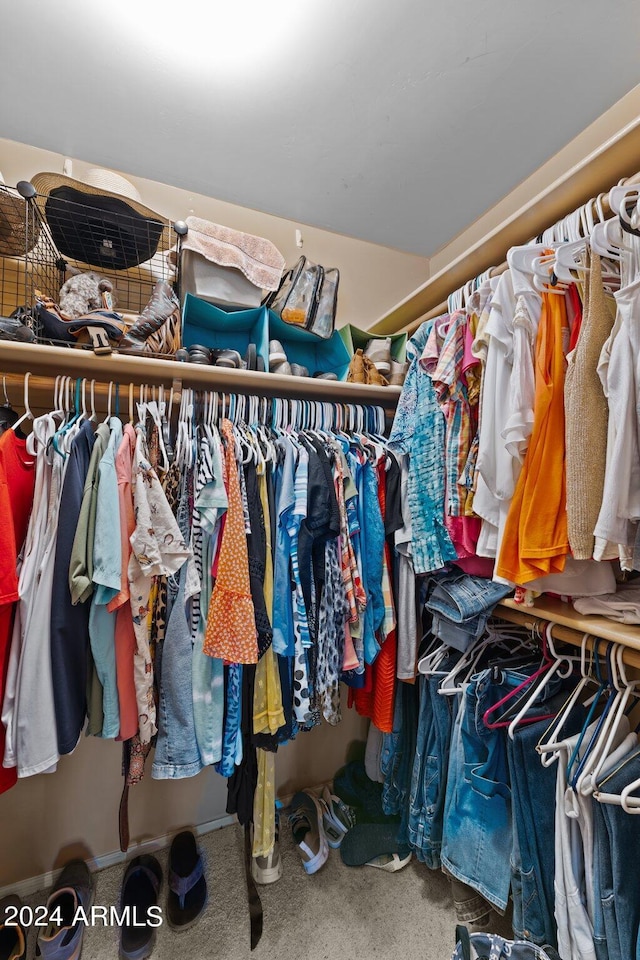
point(616, 159)
point(42, 360)
point(570, 626)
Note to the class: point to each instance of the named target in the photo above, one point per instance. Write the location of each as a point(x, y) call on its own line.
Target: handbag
point(490, 946)
point(307, 298)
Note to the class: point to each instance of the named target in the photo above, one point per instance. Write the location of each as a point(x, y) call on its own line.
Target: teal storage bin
point(357, 339)
point(300, 346)
point(204, 323)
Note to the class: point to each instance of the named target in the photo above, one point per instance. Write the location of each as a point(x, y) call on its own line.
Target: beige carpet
point(341, 913)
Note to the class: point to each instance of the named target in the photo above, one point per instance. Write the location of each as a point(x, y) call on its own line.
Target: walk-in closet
point(320, 481)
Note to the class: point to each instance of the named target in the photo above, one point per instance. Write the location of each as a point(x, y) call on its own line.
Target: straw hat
point(100, 220)
point(15, 238)
point(97, 182)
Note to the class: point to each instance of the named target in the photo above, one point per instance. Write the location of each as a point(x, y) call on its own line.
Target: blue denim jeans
point(617, 877)
point(458, 635)
point(533, 791)
point(477, 836)
point(429, 775)
point(461, 596)
point(177, 755)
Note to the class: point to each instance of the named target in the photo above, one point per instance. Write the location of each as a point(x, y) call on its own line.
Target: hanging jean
point(429, 778)
point(207, 675)
point(533, 803)
point(177, 753)
point(232, 739)
point(477, 835)
point(398, 752)
point(617, 876)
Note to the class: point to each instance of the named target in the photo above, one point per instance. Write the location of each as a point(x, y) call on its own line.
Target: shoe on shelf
point(61, 939)
point(278, 362)
point(325, 376)
point(140, 889)
point(251, 357)
point(268, 869)
point(363, 370)
point(379, 352)
point(199, 354)
point(187, 885)
point(276, 354)
point(226, 358)
point(308, 831)
point(13, 936)
point(398, 373)
point(356, 372)
point(299, 370)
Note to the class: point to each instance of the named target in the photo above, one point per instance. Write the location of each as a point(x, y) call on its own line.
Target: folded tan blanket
point(259, 260)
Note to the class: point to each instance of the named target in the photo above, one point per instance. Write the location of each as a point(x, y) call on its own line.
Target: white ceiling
point(396, 122)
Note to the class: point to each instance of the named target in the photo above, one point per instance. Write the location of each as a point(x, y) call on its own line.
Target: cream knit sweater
point(586, 416)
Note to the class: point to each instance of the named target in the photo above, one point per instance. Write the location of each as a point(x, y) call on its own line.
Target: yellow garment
point(268, 711)
point(264, 805)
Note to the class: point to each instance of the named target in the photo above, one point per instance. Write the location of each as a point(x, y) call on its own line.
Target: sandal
point(308, 831)
point(187, 885)
point(391, 862)
point(140, 889)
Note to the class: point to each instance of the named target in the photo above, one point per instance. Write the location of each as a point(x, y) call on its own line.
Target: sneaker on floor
point(379, 352)
point(308, 831)
point(61, 939)
point(13, 936)
point(268, 869)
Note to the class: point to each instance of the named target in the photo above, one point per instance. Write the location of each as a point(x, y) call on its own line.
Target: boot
point(356, 368)
point(145, 336)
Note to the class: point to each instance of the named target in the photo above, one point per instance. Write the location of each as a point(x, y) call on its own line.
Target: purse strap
point(462, 938)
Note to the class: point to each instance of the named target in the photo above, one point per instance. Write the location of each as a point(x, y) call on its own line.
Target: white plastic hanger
point(547, 745)
point(602, 749)
point(27, 415)
point(560, 661)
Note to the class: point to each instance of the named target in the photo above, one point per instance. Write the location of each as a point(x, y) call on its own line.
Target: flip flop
point(391, 862)
point(187, 885)
point(140, 889)
point(367, 841)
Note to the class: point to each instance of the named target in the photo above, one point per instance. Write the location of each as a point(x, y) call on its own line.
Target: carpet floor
point(340, 913)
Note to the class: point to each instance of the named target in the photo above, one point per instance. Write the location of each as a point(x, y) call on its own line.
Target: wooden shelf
point(571, 625)
point(45, 361)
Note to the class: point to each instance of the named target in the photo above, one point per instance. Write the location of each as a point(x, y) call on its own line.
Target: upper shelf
point(556, 611)
point(41, 360)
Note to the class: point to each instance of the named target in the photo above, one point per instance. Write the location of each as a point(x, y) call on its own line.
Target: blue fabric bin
point(300, 346)
point(204, 323)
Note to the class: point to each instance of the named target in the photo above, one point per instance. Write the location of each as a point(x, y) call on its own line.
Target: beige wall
point(372, 278)
point(576, 153)
point(47, 819)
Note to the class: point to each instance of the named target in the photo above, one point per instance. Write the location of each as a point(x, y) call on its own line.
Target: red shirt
point(17, 479)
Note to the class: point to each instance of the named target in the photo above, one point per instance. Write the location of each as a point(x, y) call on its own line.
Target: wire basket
point(32, 266)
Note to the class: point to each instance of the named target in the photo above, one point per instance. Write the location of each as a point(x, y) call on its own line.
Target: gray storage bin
point(225, 286)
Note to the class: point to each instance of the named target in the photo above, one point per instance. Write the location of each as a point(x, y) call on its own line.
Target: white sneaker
point(268, 869)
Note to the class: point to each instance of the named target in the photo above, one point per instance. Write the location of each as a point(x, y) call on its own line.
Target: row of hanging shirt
point(519, 416)
point(522, 773)
point(206, 589)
